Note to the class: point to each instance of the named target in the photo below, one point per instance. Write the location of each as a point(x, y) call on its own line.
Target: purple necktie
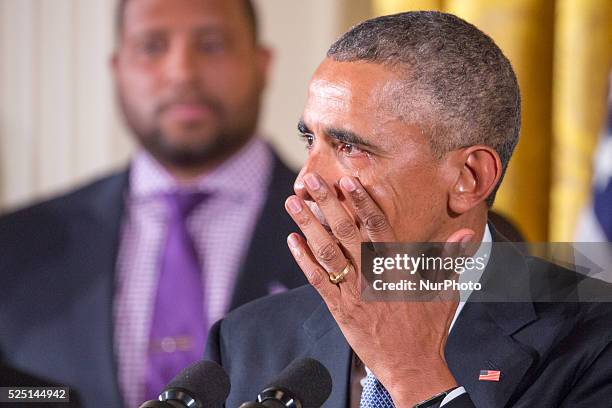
point(178, 328)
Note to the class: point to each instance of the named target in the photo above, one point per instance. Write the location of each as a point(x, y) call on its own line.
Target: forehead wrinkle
point(354, 92)
point(337, 93)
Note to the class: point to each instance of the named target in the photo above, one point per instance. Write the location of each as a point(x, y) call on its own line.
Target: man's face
point(189, 78)
point(351, 129)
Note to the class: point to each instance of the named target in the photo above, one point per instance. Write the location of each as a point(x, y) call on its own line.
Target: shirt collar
point(484, 252)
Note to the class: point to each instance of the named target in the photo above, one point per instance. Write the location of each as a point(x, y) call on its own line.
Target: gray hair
point(463, 90)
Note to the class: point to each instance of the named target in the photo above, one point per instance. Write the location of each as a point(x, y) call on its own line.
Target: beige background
point(58, 122)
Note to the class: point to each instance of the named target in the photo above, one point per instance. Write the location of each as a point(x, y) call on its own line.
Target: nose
point(181, 64)
point(318, 162)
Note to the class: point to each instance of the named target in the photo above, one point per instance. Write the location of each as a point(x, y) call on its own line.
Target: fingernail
point(312, 181)
point(465, 241)
point(294, 246)
point(292, 241)
point(294, 205)
point(348, 184)
point(298, 183)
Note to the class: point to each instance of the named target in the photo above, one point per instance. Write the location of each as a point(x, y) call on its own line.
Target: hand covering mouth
point(316, 211)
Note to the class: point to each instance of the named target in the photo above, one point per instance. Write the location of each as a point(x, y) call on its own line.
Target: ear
point(479, 172)
point(114, 63)
point(265, 56)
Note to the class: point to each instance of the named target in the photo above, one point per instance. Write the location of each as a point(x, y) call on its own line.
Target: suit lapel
point(482, 338)
point(329, 346)
point(477, 343)
point(94, 239)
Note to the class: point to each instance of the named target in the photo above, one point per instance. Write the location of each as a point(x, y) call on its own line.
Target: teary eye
point(351, 150)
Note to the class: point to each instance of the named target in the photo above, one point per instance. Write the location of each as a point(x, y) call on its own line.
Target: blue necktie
point(374, 394)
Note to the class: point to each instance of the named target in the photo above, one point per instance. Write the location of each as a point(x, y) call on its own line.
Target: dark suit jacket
point(57, 263)
point(554, 354)
point(17, 378)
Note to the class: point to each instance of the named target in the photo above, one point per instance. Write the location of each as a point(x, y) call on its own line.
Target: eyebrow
point(207, 29)
point(342, 135)
point(302, 128)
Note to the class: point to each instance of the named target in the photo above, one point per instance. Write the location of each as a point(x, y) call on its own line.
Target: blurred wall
point(58, 122)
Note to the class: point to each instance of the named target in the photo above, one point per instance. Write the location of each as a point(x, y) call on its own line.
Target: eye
point(211, 45)
point(351, 150)
point(308, 139)
point(152, 46)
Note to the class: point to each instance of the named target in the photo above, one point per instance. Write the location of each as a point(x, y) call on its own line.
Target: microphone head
point(305, 379)
point(206, 381)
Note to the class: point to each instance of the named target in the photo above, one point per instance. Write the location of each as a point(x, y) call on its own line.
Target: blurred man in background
point(112, 288)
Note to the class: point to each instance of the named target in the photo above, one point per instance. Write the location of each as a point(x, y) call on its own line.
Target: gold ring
point(340, 277)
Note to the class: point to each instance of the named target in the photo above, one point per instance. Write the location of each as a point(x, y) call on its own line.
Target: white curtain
point(58, 121)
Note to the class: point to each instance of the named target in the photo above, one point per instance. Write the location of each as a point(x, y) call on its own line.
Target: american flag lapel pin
point(489, 375)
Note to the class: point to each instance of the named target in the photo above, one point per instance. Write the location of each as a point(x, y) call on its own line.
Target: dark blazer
point(57, 263)
point(550, 354)
point(17, 378)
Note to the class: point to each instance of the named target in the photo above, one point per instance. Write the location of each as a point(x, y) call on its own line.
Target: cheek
point(138, 76)
point(356, 167)
point(141, 105)
point(383, 192)
point(410, 199)
point(230, 80)
point(140, 88)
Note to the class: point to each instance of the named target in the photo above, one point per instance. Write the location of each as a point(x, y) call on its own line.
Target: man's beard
point(225, 139)
point(216, 148)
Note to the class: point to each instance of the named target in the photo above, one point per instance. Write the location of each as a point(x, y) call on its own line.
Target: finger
point(459, 244)
point(324, 248)
point(316, 275)
point(461, 241)
point(368, 212)
point(339, 220)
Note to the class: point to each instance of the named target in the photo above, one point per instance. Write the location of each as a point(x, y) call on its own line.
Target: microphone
point(305, 383)
point(203, 384)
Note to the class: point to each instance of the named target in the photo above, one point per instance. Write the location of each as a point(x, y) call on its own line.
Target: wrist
point(416, 386)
